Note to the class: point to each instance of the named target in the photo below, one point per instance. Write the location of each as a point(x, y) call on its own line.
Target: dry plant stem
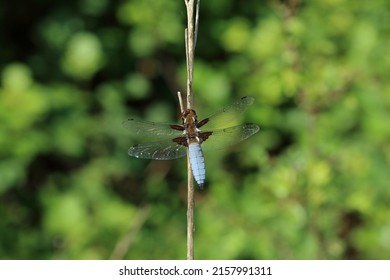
point(189, 72)
point(190, 214)
point(190, 41)
point(180, 101)
point(190, 201)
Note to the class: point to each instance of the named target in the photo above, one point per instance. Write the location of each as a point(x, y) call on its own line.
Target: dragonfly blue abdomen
point(197, 163)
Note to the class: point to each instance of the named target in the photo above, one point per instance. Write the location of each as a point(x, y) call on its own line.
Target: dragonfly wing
point(151, 129)
point(162, 150)
point(222, 138)
point(228, 116)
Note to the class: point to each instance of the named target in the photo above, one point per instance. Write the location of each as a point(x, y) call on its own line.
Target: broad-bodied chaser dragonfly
point(170, 141)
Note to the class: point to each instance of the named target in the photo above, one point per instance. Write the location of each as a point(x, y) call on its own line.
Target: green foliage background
point(314, 184)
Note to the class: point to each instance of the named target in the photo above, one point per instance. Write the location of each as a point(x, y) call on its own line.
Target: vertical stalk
point(190, 41)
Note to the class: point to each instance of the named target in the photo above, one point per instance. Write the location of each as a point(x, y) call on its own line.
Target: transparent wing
point(153, 130)
point(228, 116)
point(162, 150)
point(222, 138)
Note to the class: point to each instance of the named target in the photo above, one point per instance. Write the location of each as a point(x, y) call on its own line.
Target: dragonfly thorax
point(190, 122)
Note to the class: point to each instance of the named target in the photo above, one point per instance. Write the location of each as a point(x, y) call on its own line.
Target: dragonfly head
point(189, 117)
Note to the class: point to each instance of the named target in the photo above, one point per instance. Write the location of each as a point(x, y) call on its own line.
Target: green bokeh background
point(313, 184)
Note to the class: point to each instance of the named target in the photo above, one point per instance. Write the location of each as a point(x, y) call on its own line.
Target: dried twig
point(180, 101)
point(190, 42)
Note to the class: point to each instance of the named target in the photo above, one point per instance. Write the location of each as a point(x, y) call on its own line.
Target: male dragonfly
point(171, 140)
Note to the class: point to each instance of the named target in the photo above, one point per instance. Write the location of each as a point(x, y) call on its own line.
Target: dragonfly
point(171, 141)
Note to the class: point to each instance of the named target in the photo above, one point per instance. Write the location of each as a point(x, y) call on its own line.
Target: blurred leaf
point(83, 56)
